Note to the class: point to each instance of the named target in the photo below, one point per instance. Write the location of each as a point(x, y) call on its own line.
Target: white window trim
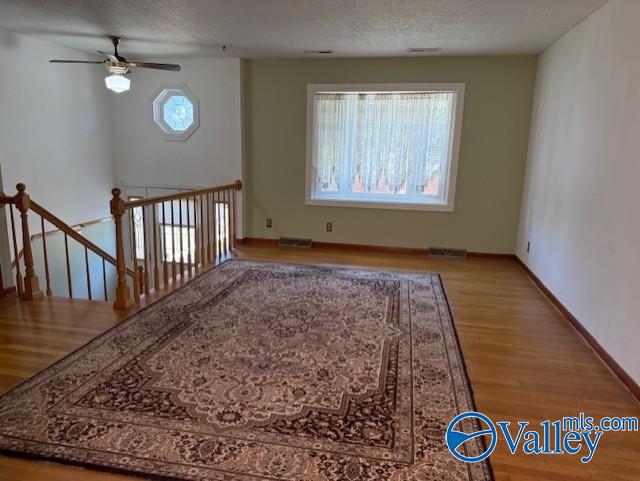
point(450, 187)
point(160, 96)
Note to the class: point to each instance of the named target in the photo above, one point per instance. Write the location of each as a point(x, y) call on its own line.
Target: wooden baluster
point(188, 238)
point(238, 187)
point(132, 247)
point(165, 272)
point(134, 256)
point(156, 270)
point(132, 235)
point(46, 258)
point(173, 246)
point(233, 219)
point(31, 287)
point(136, 287)
point(17, 254)
point(141, 283)
point(214, 229)
point(227, 225)
point(216, 221)
point(104, 279)
point(66, 252)
point(86, 265)
point(123, 294)
point(145, 251)
point(229, 243)
point(203, 254)
point(181, 243)
point(223, 226)
point(230, 215)
point(196, 234)
point(209, 230)
point(220, 210)
point(134, 242)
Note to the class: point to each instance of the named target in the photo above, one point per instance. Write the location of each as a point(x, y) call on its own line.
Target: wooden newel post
point(31, 287)
point(123, 294)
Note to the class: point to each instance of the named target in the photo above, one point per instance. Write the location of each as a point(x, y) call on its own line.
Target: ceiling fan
point(119, 66)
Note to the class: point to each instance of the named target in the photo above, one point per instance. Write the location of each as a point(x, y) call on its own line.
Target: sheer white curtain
point(379, 144)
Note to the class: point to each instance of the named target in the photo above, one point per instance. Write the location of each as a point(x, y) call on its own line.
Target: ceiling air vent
point(293, 242)
point(425, 50)
point(318, 52)
point(446, 252)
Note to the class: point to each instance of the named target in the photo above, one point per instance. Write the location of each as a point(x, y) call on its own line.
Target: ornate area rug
point(260, 371)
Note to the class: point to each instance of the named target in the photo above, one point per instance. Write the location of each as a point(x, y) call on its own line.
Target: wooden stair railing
point(172, 237)
point(28, 287)
point(43, 233)
point(178, 235)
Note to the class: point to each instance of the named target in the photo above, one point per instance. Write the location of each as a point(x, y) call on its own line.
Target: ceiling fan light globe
point(118, 83)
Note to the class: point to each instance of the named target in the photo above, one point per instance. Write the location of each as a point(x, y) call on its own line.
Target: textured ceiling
point(285, 28)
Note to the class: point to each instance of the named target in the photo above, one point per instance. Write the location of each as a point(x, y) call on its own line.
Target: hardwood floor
point(524, 359)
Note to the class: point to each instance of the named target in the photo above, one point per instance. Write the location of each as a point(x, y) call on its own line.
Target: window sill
point(379, 205)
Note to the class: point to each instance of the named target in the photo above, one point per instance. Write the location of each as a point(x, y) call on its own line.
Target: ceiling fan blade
point(76, 61)
point(157, 66)
point(110, 56)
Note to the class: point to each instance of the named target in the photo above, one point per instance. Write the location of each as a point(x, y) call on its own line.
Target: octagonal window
point(175, 112)
point(178, 113)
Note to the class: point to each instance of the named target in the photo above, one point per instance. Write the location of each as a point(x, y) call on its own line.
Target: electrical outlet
point(329, 226)
point(269, 223)
point(528, 246)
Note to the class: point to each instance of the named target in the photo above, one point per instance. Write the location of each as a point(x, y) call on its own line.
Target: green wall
point(495, 132)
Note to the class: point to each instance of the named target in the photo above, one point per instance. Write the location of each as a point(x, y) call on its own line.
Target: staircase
point(159, 242)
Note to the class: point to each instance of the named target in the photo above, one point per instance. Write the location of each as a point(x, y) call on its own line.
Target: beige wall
point(495, 132)
point(58, 137)
point(211, 156)
point(581, 193)
point(55, 133)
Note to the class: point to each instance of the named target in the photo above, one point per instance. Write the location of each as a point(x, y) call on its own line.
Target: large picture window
point(383, 146)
